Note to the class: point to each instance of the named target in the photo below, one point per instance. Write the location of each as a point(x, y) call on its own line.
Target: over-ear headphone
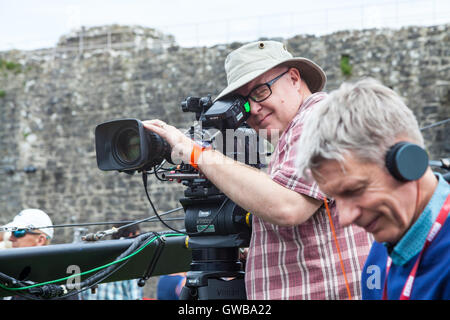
point(406, 161)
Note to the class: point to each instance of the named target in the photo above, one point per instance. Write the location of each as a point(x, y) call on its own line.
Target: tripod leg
point(220, 289)
point(188, 293)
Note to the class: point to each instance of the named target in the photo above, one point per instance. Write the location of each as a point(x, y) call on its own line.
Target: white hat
point(32, 218)
point(253, 59)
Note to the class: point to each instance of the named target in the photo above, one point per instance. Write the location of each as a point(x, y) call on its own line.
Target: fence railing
point(386, 14)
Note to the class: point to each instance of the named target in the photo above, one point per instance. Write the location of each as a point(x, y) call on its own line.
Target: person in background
point(27, 229)
point(118, 290)
point(364, 148)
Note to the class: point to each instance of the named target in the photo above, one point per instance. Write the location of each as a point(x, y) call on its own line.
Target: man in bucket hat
point(292, 254)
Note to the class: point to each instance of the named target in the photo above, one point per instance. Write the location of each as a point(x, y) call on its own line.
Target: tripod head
point(216, 226)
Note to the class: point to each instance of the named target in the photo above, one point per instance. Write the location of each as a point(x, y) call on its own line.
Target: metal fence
point(386, 14)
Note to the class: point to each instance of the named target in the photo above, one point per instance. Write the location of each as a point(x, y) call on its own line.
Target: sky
point(33, 24)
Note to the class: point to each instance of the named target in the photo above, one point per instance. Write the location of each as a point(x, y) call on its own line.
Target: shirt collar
point(414, 239)
point(306, 105)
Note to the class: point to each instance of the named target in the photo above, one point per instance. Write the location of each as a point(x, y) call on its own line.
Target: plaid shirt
point(302, 262)
point(119, 290)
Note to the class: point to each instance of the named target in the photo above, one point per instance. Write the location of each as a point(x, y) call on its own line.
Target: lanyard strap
point(435, 228)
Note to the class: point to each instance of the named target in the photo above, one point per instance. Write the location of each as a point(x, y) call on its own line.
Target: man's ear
point(41, 240)
point(295, 76)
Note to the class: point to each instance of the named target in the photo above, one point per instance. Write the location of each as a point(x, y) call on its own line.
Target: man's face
point(369, 197)
point(278, 110)
point(28, 240)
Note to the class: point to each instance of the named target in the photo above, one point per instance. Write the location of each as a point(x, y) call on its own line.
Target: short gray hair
point(364, 118)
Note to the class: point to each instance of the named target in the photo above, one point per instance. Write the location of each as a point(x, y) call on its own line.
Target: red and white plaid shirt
point(302, 262)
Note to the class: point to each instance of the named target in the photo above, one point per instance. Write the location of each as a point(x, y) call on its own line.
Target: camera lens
point(128, 145)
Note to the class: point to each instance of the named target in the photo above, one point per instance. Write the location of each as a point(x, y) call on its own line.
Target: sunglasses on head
point(22, 232)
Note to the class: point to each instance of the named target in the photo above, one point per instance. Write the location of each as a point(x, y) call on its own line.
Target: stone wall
point(52, 99)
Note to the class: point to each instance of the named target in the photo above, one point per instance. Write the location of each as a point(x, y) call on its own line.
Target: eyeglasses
point(22, 232)
point(263, 91)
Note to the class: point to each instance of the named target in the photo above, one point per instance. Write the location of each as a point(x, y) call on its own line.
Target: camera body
point(212, 221)
point(124, 145)
point(216, 226)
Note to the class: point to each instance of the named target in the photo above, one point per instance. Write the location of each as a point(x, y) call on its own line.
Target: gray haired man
point(364, 148)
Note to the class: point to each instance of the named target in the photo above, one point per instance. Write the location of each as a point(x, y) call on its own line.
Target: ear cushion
point(406, 161)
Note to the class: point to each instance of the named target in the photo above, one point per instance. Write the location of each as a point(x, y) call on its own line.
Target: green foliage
point(346, 67)
point(10, 66)
point(2, 93)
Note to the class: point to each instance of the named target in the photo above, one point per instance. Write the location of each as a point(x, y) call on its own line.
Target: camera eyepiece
point(195, 104)
point(227, 113)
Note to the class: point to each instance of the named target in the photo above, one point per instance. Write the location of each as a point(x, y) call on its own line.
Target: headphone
point(406, 161)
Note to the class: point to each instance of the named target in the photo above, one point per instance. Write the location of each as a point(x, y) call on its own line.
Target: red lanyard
point(435, 228)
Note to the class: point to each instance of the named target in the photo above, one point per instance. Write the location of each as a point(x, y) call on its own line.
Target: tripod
point(216, 274)
point(219, 228)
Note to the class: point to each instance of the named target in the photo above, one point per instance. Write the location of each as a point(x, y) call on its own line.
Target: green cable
point(92, 270)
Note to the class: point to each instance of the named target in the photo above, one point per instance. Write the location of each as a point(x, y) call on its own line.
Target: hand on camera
point(180, 143)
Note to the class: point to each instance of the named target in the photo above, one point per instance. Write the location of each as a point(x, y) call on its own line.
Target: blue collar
point(412, 242)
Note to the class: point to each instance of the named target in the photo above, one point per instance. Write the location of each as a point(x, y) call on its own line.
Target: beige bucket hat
point(253, 59)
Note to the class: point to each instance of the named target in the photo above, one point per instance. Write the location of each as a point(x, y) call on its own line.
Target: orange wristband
point(195, 154)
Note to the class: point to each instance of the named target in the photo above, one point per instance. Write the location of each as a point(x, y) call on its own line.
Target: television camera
point(216, 227)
